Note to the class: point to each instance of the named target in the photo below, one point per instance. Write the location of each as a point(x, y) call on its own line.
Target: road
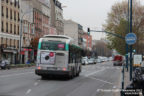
point(93, 78)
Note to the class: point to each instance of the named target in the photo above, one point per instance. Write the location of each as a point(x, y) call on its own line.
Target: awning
point(10, 51)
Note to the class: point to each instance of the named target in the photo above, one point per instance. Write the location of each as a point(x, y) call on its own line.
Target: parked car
point(84, 60)
point(110, 58)
point(91, 61)
point(4, 64)
point(98, 60)
point(118, 60)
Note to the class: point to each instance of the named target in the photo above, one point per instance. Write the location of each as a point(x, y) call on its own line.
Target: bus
point(58, 55)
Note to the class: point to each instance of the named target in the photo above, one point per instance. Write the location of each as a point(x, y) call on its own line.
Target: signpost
point(130, 38)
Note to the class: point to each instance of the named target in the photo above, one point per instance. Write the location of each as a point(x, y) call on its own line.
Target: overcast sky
point(89, 13)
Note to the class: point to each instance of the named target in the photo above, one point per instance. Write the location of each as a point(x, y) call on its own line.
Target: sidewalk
point(127, 78)
point(126, 81)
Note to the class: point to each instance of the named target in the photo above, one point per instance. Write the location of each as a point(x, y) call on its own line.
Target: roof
point(63, 36)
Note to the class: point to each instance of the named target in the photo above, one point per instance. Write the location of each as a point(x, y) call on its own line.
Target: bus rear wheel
point(43, 77)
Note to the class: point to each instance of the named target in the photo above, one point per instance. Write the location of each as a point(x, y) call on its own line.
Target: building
point(80, 35)
point(74, 30)
point(36, 24)
point(39, 14)
point(57, 17)
point(71, 30)
point(9, 30)
point(87, 41)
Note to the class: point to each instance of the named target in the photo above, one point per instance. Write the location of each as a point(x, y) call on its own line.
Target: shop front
point(10, 54)
point(27, 55)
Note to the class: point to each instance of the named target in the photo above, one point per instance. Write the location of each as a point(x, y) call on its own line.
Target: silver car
point(84, 60)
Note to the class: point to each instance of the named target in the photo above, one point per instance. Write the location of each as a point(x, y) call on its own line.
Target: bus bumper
point(51, 72)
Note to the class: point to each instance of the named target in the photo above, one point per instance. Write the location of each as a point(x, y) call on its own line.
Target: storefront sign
point(137, 60)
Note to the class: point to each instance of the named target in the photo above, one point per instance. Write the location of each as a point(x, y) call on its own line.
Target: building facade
point(80, 35)
point(9, 30)
point(36, 24)
point(71, 30)
point(75, 31)
point(57, 17)
point(87, 41)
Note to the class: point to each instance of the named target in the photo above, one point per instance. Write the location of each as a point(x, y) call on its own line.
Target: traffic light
point(88, 31)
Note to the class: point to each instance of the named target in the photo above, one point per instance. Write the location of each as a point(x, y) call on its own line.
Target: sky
point(89, 13)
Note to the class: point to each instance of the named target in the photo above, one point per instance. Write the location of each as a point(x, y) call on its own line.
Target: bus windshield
point(52, 45)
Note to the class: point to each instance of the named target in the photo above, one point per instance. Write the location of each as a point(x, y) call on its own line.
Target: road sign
point(130, 38)
point(137, 60)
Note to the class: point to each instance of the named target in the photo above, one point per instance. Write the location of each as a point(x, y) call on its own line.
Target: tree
point(101, 49)
point(34, 42)
point(117, 22)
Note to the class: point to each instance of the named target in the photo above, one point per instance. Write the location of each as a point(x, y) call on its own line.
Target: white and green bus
point(57, 55)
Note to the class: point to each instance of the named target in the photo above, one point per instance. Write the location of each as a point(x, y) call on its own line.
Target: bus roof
point(57, 36)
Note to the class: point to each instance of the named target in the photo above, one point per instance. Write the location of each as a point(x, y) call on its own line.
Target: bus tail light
point(51, 54)
point(64, 69)
point(38, 67)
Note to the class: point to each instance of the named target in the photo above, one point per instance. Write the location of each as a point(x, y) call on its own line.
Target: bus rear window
point(52, 45)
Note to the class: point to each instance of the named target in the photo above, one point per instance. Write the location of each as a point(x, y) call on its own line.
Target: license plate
point(51, 68)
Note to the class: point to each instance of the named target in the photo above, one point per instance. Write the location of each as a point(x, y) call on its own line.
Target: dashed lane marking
point(94, 72)
point(36, 83)
point(101, 80)
point(28, 91)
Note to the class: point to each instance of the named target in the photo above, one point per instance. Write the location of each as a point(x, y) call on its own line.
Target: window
point(14, 29)
point(18, 17)
point(7, 12)
point(53, 45)
point(11, 28)
point(25, 28)
point(14, 15)
point(15, 3)
point(11, 2)
point(6, 1)
point(6, 27)
point(2, 11)
point(18, 30)
point(1, 40)
point(2, 26)
point(11, 14)
point(18, 43)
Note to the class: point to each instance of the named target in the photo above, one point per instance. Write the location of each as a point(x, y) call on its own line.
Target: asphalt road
point(95, 80)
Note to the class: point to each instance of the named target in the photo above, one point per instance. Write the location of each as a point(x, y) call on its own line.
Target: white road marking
point(28, 91)
point(114, 87)
point(11, 75)
point(94, 72)
point(39, 80)
point(36, 83)
point(101, 80)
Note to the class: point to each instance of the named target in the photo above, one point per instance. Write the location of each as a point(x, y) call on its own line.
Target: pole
point(20, 58)
point(127, 47)
point(131, 66)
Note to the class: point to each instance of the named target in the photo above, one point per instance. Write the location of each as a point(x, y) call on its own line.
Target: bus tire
point(71, 75)
point(79, 71)
point(75, 72)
